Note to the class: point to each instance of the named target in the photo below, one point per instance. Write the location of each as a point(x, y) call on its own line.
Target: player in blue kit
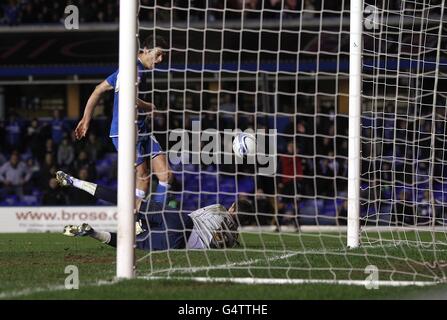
point(166, 227)
point(147, 146)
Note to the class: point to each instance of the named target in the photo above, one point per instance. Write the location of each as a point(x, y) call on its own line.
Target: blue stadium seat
point(208, 199)
point(246, 184)
point(191, 182)
point(368, 213)
point(103, 167)
point(111, 156)
point(385, 215)
point(30, 200)
point(328, 213)
point(280, 123)
point(226, 200)
point(190, 201)
point(308, 212)
point(208, 181)
point(367, 121)
point(227, 185)
point(339, 202)
point(12, 200)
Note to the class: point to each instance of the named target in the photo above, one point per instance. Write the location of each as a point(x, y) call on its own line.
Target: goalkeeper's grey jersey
point(194, 241)
point(205, 221)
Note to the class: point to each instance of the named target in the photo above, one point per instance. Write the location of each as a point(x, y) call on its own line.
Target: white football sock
point(102, 236)
point(89, 187)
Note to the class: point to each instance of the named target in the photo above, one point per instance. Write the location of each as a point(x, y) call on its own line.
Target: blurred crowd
point(311, 175)
point(311, 161)
point(15, 12)
point(33, 150)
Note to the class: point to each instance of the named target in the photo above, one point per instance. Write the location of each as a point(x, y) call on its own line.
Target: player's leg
point(142, 176)
point(85, 230)
point(159, 166)
point(94, 189)
point(162, 170)
point(142, 181)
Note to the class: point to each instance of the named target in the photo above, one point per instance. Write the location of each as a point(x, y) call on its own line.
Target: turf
point(32, 266)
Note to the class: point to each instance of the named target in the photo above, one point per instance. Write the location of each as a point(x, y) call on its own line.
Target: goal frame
point(126, 157)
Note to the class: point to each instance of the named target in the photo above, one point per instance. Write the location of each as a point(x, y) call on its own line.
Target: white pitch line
point(299, 281)
point(51, 288)
point(29, 291)
point(234, 264)
point(255, 261)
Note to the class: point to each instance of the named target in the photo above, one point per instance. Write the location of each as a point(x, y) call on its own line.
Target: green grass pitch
point(32, 267)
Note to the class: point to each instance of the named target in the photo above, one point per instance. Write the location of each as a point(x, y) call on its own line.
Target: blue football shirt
point(113, 80)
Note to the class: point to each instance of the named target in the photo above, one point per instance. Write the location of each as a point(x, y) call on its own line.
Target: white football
point(244, 144)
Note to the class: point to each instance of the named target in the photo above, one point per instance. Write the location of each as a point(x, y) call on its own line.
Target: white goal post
point(355, 109)
point(126, 144)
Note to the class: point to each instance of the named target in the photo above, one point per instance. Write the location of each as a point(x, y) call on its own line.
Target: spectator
point(13, 133)
point(2, 159)
point(309, 8)
point(50, 148)
point(2, 133)
point(33, 138)
point(13, 175)
point(33, 172)
point(287, 214)
point(304, 138)
point(308, 181)
point(45, 14)
point(291, 170)
point(2, 156)
point(293, 7)
point(94, 147)
point(326, 177)
point(424, 210)
point(11, 12)
point(403, 209)
point(83, 162)
point(264, 208)
point(248, 4)
point(266, 183)
point(111, 13)
point(342, 214)
point(325, 145)
point(57, 127)
point(54, 195)
point(28, 15)
point(48, 169)
point(65, 155)
point(226, 111)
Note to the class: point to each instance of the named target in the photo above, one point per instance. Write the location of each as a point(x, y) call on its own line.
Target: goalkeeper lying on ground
point(159, 228)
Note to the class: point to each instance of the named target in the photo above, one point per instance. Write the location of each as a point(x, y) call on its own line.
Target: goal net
point(281, 69)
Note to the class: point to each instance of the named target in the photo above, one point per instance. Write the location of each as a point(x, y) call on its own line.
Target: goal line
point(256, 281)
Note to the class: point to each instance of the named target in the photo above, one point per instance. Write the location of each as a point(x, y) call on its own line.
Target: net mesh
point(284, 66)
